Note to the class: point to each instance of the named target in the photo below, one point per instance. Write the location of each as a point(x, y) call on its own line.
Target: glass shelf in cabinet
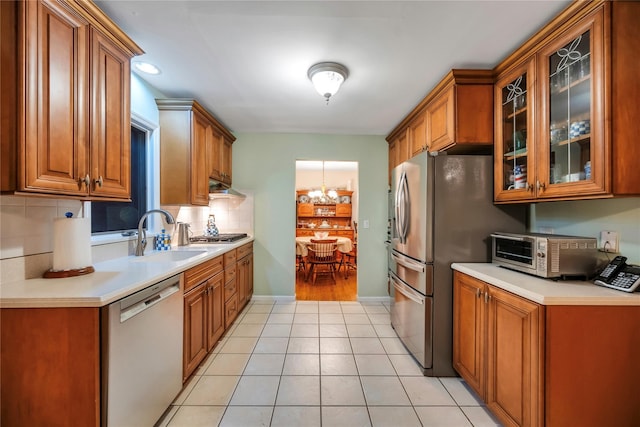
point(579, 139)
point(516, 113)
point(522, 152)
point(572, 84)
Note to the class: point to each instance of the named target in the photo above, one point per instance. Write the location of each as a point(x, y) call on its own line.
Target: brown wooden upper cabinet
point(219, 154)
point(456, 116)
point(73, 131)
point(566, 108)
point(194, 147)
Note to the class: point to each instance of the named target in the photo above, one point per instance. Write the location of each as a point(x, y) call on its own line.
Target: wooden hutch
point(310, 215)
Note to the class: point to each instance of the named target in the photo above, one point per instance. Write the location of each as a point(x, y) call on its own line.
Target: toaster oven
point(547, 255)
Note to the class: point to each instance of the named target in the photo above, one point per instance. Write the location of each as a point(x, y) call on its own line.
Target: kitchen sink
point(168, 256)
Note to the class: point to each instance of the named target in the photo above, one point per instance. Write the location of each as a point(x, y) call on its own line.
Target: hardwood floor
point(325, 289)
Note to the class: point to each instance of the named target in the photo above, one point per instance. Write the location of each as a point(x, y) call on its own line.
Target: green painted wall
point(589, 217)
point(264, 164)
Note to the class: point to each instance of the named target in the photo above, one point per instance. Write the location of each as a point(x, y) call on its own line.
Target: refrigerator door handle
point(402, 210)
point(406, 262)
point(407, 291)
point(399, 209)
point(406, 207)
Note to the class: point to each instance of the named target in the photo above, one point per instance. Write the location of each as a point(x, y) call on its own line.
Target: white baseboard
point(286, 298)
point(384, 300)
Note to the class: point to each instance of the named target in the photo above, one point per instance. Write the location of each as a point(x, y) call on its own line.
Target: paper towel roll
point(71, 243)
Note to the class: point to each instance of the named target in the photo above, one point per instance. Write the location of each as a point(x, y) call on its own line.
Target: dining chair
point(349, 260)
point(322, 258)
point(300, 263)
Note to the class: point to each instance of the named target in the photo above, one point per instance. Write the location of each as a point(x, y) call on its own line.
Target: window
point(123, 217)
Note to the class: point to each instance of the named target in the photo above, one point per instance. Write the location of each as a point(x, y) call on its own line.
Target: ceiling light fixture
point(146, 67)
point(327, 78)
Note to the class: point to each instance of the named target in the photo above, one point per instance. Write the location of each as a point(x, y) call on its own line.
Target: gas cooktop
point(220, 238)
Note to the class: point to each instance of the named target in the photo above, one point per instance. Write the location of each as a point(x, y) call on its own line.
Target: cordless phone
point(620, 276)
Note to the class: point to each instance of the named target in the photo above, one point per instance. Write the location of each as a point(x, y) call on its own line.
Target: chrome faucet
point(142, 234)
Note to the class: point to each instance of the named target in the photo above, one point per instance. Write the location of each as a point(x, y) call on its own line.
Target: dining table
point(345, 245)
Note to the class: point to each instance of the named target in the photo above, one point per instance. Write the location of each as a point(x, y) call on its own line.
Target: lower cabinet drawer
point(230, 289)
point(230, 274)
point(244, 250)
point(231, 310)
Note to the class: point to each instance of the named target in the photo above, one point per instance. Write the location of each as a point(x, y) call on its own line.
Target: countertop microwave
point(547, 255)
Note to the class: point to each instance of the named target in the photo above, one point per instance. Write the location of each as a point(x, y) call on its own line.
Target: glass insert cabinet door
point(514, 112)
point(571, 152)
point(570, 111)
point(515, 168)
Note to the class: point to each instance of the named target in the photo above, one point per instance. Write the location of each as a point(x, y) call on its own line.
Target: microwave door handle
point(503, 236)
point(405, 262)
point(407, 292)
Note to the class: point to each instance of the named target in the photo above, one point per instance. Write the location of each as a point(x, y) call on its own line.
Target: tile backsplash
point(26, 234)
point(233, 215)
point(26, 230)
point(26, 223)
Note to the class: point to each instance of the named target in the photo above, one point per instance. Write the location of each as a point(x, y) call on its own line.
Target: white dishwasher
point(142, 354)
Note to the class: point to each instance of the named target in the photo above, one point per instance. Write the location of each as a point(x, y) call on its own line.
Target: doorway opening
point(326, 261)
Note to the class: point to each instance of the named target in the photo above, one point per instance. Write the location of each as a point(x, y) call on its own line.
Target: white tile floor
point(310, 363)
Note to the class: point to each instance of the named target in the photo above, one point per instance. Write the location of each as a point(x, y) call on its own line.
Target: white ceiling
point(247, 61)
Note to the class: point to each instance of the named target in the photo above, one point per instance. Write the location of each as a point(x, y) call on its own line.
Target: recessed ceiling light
point(146, 67)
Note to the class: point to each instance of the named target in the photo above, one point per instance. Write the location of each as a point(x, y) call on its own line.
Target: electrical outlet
point(609, 241)
point(365, 223)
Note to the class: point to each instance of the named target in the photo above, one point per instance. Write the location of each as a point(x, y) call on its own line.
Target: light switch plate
point(365, 223)
point(609, 241)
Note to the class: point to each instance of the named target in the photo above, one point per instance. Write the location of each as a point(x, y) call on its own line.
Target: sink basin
point(168, 256)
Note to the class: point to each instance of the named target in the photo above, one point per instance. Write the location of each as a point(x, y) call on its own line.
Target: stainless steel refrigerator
point(443, 212)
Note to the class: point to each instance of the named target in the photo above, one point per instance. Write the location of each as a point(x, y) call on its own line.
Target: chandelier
point(322, 195)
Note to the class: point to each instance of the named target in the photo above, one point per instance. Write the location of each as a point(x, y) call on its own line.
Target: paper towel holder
point(53, 274)
point(57, 274)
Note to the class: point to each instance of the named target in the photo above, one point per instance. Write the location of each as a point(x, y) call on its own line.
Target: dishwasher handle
point(147, 298)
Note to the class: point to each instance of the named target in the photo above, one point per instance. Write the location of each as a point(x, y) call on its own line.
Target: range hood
point(220, 190)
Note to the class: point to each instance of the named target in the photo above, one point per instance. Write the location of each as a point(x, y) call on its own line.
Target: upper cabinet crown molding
point(98, 19)
point(187, 104)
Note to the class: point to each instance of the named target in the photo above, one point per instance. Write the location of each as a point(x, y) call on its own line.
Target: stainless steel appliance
point(219, 189)
point(443, 213)
point(142, 354)
point(183, 233)
point(547, 255)
point(220, 238)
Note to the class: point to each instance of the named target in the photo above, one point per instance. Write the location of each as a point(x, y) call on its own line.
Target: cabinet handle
point(530, 187)
point(540, 185)
point(487, 297)
point(86, 181)
point(99, 181)
point(478, 293)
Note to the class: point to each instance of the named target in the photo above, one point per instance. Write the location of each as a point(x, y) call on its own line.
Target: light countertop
point(547, 291)
point(111, 281)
